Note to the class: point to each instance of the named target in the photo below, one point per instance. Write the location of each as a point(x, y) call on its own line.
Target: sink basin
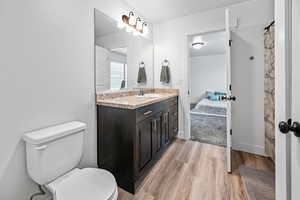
point(149, 95)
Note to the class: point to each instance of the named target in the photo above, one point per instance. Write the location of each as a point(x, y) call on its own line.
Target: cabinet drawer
point(147, 111)
point(174, 101)
point(144, 142)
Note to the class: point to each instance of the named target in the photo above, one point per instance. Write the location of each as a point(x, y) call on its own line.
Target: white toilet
point(52, 156)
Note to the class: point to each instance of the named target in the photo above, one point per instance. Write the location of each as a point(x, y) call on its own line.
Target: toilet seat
point(84, 184)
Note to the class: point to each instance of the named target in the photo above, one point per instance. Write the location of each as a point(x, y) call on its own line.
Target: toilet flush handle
point(41, 147)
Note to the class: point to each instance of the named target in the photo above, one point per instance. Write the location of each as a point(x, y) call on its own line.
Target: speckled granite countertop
point(130, 100)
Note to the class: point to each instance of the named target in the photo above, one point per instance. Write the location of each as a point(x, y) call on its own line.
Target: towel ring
point(165, 63)
point(142, 64)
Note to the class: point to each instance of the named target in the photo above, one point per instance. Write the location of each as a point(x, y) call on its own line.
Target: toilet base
point(115, 197)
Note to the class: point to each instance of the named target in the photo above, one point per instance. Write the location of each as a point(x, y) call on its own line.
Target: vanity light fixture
point(134, 24)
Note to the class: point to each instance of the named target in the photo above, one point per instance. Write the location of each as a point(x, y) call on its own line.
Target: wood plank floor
point(191, 170)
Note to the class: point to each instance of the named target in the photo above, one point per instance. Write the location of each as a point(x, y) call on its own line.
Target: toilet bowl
point(87, 183)
point(52, 155)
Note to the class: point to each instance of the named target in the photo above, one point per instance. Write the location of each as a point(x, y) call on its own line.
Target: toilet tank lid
point(54, 132)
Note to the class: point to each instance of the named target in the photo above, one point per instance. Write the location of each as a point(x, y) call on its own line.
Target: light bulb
point(137, 33)
point(121, 25)
point(139, 24)
point(132, 19)
point(128, 29)
point(145, 28)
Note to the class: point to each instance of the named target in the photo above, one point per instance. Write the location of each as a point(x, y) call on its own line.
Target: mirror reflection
point(122, 60)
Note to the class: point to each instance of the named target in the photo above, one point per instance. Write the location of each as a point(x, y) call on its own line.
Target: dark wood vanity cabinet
point(130, 141)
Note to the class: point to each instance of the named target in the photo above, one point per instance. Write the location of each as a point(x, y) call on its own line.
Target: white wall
point(46, 78)
point(248, 86)
point(138, 50)
point(114, 40)
point(207, 73)
point(170, 39)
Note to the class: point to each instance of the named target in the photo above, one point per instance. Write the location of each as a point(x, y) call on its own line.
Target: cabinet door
point(156, 134)
point(144, 143)
point(171, 125)
point(159, 132)
point(166, 128)
point(173, 122)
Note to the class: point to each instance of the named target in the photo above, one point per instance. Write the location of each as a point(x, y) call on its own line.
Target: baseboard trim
point(254, 149)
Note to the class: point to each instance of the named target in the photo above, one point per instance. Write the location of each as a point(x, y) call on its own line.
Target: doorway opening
point(207, 86)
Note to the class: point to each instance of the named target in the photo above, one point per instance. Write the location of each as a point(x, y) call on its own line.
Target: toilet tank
point(53, 151)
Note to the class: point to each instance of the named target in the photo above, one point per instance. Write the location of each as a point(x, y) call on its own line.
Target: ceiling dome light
point(198, 45)
point(132, 19)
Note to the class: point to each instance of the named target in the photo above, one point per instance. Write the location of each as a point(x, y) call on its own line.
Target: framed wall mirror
point(120, 56)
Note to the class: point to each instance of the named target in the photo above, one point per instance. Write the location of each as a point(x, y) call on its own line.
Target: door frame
point(283, 94)
point(228, 66)
point(187, 118)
